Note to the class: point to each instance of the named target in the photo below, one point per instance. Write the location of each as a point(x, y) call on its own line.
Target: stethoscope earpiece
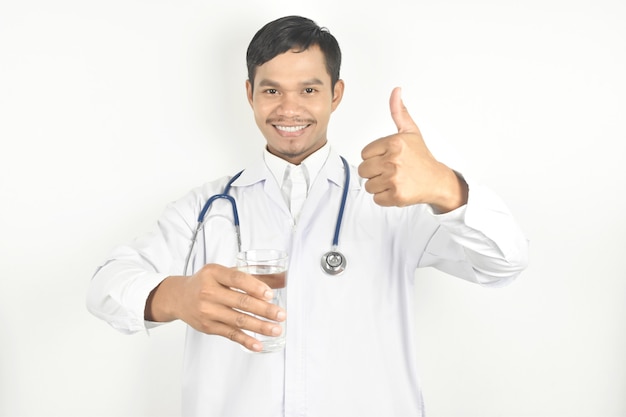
point(333, 263)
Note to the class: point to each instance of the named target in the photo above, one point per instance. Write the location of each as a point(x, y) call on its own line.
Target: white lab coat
point(350, 345)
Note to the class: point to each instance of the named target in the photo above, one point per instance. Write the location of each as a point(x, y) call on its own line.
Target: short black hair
point(292, 32)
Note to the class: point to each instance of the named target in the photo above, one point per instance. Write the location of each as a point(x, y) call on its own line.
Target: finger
point(231, 323)
point(383, 194)
point(371, 165)
point(373, 149)
point(238, 300)
point(385, 198)
point(376, 185)
point(244, 321)
point(237, 336)
point(236, 322)
point(247, 283)
point(399, 113)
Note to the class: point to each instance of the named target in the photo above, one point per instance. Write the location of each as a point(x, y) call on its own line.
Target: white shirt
point(295, 180)
point(350, 342)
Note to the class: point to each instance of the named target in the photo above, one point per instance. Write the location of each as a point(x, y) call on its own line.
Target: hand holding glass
point(269, 266)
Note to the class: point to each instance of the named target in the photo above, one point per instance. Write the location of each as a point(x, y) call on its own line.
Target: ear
point(337, 94)
point(249, 91)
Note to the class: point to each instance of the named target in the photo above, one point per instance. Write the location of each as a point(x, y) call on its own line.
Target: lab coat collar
point(254, 173)
point(332, 170)
point(259, 172)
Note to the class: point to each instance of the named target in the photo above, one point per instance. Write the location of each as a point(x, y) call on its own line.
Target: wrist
point(161, 302)
point(453, 193)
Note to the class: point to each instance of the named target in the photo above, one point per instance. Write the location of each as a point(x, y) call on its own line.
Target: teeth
point(290, 128)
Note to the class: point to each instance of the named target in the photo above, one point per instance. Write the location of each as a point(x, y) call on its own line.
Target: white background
point(110, 109)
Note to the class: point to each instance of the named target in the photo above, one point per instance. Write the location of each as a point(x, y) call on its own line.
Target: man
point(350, 345)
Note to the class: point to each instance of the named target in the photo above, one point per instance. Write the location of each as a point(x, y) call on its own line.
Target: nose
point(289, 105)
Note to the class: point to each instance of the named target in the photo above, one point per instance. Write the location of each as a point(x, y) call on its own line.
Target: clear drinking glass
point(270, 266)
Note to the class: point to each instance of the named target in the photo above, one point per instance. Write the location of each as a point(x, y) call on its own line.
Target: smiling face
point(292, 100)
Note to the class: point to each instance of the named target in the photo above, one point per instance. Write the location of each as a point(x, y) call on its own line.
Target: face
point(292, 102)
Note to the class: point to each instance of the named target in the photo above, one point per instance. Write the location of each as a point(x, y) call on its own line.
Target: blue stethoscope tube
point(333, 262)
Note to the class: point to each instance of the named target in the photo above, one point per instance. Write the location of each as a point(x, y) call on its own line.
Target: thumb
point(399, 113)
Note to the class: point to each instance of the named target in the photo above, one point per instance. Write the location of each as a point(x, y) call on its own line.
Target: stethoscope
point(333, 262)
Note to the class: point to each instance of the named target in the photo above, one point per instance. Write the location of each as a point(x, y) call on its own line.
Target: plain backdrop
point(111, 109)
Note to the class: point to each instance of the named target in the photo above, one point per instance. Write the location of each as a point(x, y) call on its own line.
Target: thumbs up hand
point(401, 171)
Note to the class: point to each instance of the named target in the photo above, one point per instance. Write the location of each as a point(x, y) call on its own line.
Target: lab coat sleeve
point(480, 242)
point(120, 286)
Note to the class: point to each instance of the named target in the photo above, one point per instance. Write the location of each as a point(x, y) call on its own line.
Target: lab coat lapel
point(332, 173)
point(259, 172)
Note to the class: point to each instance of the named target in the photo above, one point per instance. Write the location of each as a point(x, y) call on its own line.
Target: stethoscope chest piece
point(333, 263)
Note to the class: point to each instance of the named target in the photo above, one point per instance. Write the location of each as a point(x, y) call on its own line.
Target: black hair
point(292, 32)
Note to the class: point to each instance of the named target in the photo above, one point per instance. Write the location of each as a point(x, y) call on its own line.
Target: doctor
point(350, 341)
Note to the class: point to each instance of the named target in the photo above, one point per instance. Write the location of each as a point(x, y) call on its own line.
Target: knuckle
point(238, 278)
point(395, 143)
point(241, 320)
point(234, 335)
point(208, 269)
point(206, 297)
point(244, 301)
point(208, 292)
point(205, 326)
point(207, 312)
point(391, 167)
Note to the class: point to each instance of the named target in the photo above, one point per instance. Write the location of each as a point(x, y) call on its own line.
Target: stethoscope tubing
point(344, 198)
point(224, 195)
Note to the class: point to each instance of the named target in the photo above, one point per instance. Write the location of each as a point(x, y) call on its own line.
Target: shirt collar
point(312, 165)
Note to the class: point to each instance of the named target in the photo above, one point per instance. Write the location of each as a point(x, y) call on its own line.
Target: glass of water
point(269, 266)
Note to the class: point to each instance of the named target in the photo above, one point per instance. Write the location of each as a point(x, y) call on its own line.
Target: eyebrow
point(271, 83)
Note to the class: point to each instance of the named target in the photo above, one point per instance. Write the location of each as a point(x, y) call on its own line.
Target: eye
point(309, 90)
point(271, 91)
